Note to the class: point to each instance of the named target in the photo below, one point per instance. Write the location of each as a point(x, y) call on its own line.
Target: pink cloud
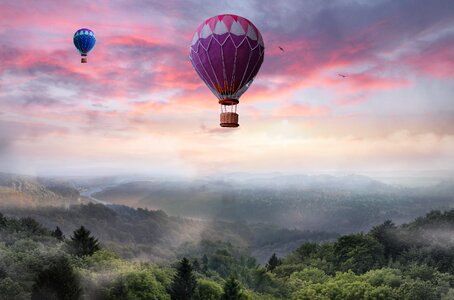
point(301, 110)
point(435, 59)
point(142, 54)
point(351, 100)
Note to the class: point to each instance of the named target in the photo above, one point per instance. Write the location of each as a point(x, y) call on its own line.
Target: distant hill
point(342, 204)
point(346, 183)
point(309, 202)
point(147, 234)
point(27, 191)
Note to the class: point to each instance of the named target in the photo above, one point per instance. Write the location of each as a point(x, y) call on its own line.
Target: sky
point(138, 106)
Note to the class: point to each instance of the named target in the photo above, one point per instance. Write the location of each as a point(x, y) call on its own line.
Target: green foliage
point(449, 295)
point(233, 290)
point(386, 276)
point(390, 262)
point(82, 243)
point(417, 290)
point(3, 221)
point(267, 283)
point(359, 253)
point(423, 272)
point(343, 286)
point(207, 290)
point(204, 263)
point(307, 276)
point(10, 290)
point(307, 250)
point(273, 262)
point(31, 226)
point(58, 234)
point(141, 285)
point(58, 281)
point(184, 282)
point(387, 234)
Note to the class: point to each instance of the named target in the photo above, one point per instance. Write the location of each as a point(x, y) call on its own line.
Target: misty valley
point(240, 237)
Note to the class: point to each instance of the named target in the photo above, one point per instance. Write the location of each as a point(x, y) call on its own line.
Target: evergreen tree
point(273, 262)
point(3, 221)
point(196, 265)
point(205, 263)
point(232, 290)
point(31, 226)
point(359, 253)
point(387, 235)
point(57, 282)
point(58, 234)
point(184, 282)
point(82, 243)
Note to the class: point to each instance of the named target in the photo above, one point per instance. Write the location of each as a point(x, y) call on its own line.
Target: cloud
point(139, 82)
point(301, 110)
point(434, 59)
point(4, 146)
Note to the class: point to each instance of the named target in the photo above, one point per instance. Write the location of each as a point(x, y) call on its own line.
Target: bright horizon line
point(441, 173)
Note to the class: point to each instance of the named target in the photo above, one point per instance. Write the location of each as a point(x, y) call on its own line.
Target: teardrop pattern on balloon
point(84, 40)
point(227, 52)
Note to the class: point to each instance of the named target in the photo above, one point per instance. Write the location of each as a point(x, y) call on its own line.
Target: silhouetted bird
point(282, 49)
point(342, 75)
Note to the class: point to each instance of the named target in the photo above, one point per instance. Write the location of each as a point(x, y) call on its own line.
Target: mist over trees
point(146, 233)
point(95, 251)
point(343, 204)
point(388, 262)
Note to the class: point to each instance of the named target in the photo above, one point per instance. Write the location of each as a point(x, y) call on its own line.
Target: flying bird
point(282, 49)
point(342, 75)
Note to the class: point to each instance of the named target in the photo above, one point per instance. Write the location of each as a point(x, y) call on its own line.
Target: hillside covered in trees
point(410, 261)
point(343, 204)
point(153, 235)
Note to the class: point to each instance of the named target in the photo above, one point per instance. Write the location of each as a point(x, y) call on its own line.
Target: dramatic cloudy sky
point(138, 106)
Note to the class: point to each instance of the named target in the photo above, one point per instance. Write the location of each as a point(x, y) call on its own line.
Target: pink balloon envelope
point(227, 52)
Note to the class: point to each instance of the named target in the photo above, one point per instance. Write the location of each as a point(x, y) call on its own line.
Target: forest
point(344, 204)
point(414, 260)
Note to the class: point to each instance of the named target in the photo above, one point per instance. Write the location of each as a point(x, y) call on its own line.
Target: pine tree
point(31, 226)
point(273, 262)
point(232, 290)
point(3, 221)
point(184, 282)
point(58, 234)
point(196, 265)
point(58, 281)
point(205, 263)
point(82, 243)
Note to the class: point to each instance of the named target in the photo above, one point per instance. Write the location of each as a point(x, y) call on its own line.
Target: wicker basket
point(229, 119)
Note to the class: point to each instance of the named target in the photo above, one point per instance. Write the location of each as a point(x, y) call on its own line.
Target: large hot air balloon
point(227, 52)
point(84, 40)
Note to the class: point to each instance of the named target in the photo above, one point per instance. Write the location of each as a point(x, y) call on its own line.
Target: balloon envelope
point(84, 40)
point(227, 52)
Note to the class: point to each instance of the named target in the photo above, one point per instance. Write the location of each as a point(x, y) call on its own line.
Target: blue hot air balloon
point(84, 40)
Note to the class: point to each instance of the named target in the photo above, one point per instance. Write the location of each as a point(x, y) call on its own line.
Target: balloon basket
point(229, 119)
point(83, 60)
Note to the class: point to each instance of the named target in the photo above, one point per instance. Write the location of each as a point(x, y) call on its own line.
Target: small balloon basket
point(229, 117)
